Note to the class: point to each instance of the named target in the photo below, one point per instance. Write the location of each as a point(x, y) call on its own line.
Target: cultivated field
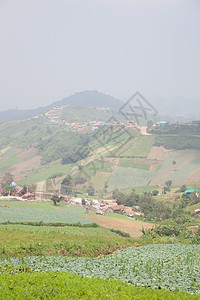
point(170, 267)
point(66, 215)
point(140, 147)
point(129, 177)
point(178, 166)
point(130, 226)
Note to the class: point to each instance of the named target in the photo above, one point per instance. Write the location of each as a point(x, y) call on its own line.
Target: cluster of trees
point(67, 185)
point(75, 153)
point(186, 200)
point(9, 189)
point(151, 208)
point(155, 210)
point(176, 129)
point(68, 146)
point(179, 142)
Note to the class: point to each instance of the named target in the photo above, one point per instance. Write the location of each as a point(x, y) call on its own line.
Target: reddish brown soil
point(30, 153)
point(156, 153)
point(23, 166)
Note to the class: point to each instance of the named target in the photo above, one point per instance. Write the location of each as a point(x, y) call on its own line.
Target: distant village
point(98, 206)
point(53, 117)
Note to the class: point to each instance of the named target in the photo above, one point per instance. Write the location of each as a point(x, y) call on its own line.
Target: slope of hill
point(82, 99)
point(109, 157)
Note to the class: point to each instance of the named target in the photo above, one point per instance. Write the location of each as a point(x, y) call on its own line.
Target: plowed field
point(130, 226)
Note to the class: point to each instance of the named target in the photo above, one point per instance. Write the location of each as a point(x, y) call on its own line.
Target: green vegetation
point(45, 172)
point(62, 215)
point(139, 147)
point(24, 240)
point(85, 114)
point(14, 160)
point(178, 129)
point(125, 177)
point(173, 267)
point(127, 163)
point(178, 142)
point(58, 285)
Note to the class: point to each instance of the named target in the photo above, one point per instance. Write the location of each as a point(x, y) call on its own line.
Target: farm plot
point(156, 153)
point(168, 267)
point(63, 215)
point(44, 173)
point(129, 163)
point(129, 226)
point(129, 177)
point(95, 166)
point(178, 165)
point(139, 147)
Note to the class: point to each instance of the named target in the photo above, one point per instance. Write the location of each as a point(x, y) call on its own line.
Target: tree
point(90, 190)
point(8, 190)
point(66, 185)
point(80, 180)
point(7, 179)
point(155, 192)
point(55, 199)
point(32, 188)
point(83, 202)
point(105, 186)
point(115, 193)
point(183, 188)
point(168, 183)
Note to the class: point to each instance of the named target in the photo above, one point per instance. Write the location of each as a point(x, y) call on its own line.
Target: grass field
point(44, 173)
point(127, 163)
point(38, 205)
point(54, 285)
point(23, 240)
point(140, 147)
point(92, 168)
point(125, 178)
point(7, 152)
point(9, 162)
point(51, 230)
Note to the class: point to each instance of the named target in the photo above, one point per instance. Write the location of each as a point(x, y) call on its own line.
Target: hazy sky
point(50, 49)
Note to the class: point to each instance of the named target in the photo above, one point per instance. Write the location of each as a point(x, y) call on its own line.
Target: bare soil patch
point(23, 166)
point(129, 226)
point(193, 177)
point(156, 153)
point(30, 153)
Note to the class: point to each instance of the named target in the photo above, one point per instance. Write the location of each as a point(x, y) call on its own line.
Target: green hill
point(43, 151)
point(82, 99)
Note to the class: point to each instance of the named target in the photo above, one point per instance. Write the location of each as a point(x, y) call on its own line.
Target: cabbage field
point(60, 215)
point(168, 267)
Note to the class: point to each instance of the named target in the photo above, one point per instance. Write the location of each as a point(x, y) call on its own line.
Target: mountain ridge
point(82, 99)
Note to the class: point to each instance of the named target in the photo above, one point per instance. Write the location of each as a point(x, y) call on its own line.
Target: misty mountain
point(177, 107)
point(81, 99)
